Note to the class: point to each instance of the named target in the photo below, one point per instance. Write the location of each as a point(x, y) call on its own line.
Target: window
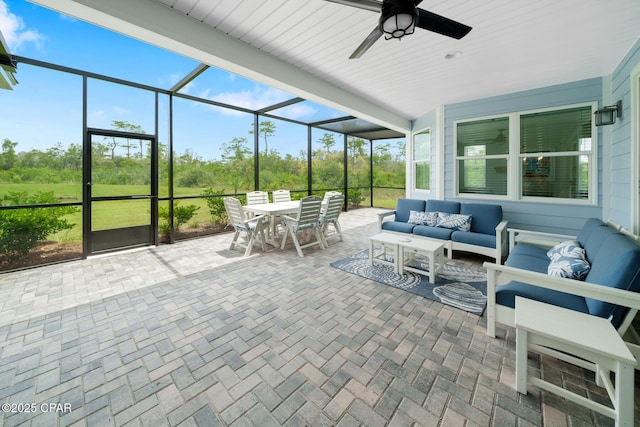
point(555, 152)
point(482, 155)
point(422, 160)
point(553, 157)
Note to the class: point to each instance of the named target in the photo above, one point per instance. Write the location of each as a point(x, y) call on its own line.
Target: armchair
point(329, 216)
point(306, 219)
point(254, 227)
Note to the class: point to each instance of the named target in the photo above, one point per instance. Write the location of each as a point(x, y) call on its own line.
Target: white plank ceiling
point(514, 45)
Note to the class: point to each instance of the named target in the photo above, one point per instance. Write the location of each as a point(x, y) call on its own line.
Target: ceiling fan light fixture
point(398, 19)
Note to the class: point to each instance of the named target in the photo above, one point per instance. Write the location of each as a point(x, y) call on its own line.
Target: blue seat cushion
point(405, 206)
point(402, 227)
point(485, 217)
point(447, 206)
point(617, 266)
point(506, 296)
point(477, 239)
point(434, 232)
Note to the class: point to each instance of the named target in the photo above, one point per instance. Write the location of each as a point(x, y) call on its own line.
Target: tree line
point(126, 161)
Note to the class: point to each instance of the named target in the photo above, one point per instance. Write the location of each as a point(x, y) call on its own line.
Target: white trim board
point(635, 149)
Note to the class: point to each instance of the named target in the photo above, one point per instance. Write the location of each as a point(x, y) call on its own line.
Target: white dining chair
point(257, 197)
point(307, 219)
point(254, 227)
point(328, 194)
point(329, 216)
point(279, 196)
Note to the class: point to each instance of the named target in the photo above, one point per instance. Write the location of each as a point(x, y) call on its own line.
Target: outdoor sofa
point(596, 272)
point(471, 227)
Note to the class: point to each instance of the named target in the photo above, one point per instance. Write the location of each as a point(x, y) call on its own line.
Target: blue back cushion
point(617, 266)
point(587, 229)
point(593, 244)
point(405, 206)
point(528, 257)
point(443, 206)
point(484, 218)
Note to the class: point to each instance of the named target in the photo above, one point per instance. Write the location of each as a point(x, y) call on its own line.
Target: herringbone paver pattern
point(192, 334)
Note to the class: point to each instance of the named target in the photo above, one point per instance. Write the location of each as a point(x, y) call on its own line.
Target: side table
point(431, 249)
point(589, 337)
point(386, 241)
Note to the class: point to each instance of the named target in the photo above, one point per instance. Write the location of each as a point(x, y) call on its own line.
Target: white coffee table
point(387, 241)
point(433, 250)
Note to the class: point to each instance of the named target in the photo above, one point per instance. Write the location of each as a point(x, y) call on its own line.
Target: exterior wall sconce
point(607, 115)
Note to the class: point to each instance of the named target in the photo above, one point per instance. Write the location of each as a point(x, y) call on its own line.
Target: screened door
point(120, 203)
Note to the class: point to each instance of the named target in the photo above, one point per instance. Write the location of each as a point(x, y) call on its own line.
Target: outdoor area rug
point(455, 285)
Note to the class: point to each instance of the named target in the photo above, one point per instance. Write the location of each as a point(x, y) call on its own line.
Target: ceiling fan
point(399, 18)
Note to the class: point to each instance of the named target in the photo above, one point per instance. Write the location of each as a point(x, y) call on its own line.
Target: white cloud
point(296, 111)
point(96, 118)
point(15, 31)
point(121, 111)
point(253, 99)
point(171, 79)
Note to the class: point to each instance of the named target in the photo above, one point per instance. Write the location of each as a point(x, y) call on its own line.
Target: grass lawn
point(124, 213)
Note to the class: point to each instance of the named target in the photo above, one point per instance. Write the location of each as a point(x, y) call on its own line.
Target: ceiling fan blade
point(371, 5)
point(441, 25)
point(367, 43)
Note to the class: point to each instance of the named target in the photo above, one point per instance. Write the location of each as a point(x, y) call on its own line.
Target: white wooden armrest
point(257, 219)
point(382, 216)
point(501, 240)
point(538, 238)
point(288, 218)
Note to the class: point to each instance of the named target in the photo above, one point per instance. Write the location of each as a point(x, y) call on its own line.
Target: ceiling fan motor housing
point(398, 18)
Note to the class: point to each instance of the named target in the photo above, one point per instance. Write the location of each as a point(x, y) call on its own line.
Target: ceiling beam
point(282, 104)
point(201, 68)
point(156, 24)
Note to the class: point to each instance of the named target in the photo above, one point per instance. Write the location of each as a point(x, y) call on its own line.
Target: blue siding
point(557, 218)
point(560, 218)
point(621, 162)
point(427, 120)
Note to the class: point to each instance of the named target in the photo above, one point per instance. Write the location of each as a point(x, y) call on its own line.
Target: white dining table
point(273, 210)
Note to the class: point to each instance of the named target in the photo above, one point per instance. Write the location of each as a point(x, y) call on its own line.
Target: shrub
point(354, 196)
point(21, 229)
point(216, 205)
point(181, 215)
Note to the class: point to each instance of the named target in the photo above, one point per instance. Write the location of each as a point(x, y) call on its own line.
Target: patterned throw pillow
point(432, 219)
point(417, 217)
point(568, 259)
point(564, 248)
point(454, 221)
point(423, 218)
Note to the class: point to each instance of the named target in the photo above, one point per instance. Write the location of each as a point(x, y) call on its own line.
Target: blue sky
point(45, 107)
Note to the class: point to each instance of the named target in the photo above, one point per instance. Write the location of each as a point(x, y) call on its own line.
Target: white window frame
point(514, 163)
point(415, 163)
point(457, 158)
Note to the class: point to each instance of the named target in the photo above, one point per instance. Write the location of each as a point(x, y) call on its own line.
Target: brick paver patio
point(192, 334)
